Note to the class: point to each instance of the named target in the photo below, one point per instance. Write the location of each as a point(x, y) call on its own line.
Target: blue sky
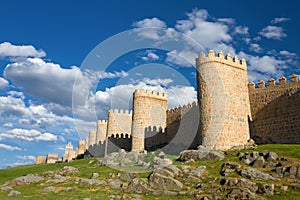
point(64, 64)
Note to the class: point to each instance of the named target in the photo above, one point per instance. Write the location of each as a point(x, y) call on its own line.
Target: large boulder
point(188, 155)
point(207, 154)
point(244, 183)
point(24, 180)
point(290, 172)
point(88, 182)
point(58, 179)
point(139, 185)
point(242, 193)
point(271, 156)
point(255, 174)
point(13, 193)
point(259, 162)
point(202, 153)
point(49, 189)
point(127, 176)
point(159, 162)
point(175, 170)
point(123, 158)
point(115, 184)
point(94, 175)
point(164, 172)
point(198, 172)
point(228, 168)
point(267, 189)
point(159, 181)
point(68, 170)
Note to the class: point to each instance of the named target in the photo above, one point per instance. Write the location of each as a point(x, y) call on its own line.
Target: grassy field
point(86, 168)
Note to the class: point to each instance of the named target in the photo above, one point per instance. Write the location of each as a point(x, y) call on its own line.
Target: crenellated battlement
point(120, 136)
point(220, 58)
point(121, 111)
point(182, 109)
point(151, 93)
point(282, 81)
point(102, 121)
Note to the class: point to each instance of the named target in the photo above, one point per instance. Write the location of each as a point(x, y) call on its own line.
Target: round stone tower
point(223, 100)
point(92, 137)
point(101, 131)
point(149, 110)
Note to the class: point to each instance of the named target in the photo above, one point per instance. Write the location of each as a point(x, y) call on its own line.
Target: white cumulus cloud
point(28, 135)
point(3, 83)
point(158, 81)
point(150, 56)
point(9, 50)
point(243, 30)
point(273, 32)
point(226, 20)
point(256, 48)
point(9, 148)
point(52, 83)
point(277, 20)
point(25, 157)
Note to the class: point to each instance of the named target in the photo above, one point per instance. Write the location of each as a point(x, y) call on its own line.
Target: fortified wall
point(223, 100)
point(228, 112)
point(116, 130)
point(182, 128)
point(275, 110)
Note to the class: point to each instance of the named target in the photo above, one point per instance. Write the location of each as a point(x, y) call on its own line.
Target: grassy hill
point(87, 167)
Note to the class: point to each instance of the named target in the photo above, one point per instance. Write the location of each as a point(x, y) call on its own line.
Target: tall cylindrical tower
point(223, 100)
point(149, 110)
point(92, 137)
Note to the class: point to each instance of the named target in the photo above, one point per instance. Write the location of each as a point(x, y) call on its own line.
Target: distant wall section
point(182, 128)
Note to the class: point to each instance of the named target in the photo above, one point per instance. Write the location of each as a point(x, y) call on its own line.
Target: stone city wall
point(275, 111)
point(182, 128)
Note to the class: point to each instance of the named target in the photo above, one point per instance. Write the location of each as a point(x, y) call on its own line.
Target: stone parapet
point(220, 58)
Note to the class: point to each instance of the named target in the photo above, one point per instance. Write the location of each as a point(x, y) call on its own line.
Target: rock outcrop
point(202, 153)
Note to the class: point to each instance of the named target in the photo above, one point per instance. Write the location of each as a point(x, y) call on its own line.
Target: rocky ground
point(246, 175)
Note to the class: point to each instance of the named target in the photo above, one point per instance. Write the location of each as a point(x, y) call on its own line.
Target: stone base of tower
point(138, 144)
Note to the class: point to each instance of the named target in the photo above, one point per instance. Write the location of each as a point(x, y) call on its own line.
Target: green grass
point(290, 195)
point(283, 150)
point(11, 173)
point(34, 191)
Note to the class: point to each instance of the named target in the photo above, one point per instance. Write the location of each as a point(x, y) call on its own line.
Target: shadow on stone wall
point(183, 129)
point(98, 150)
